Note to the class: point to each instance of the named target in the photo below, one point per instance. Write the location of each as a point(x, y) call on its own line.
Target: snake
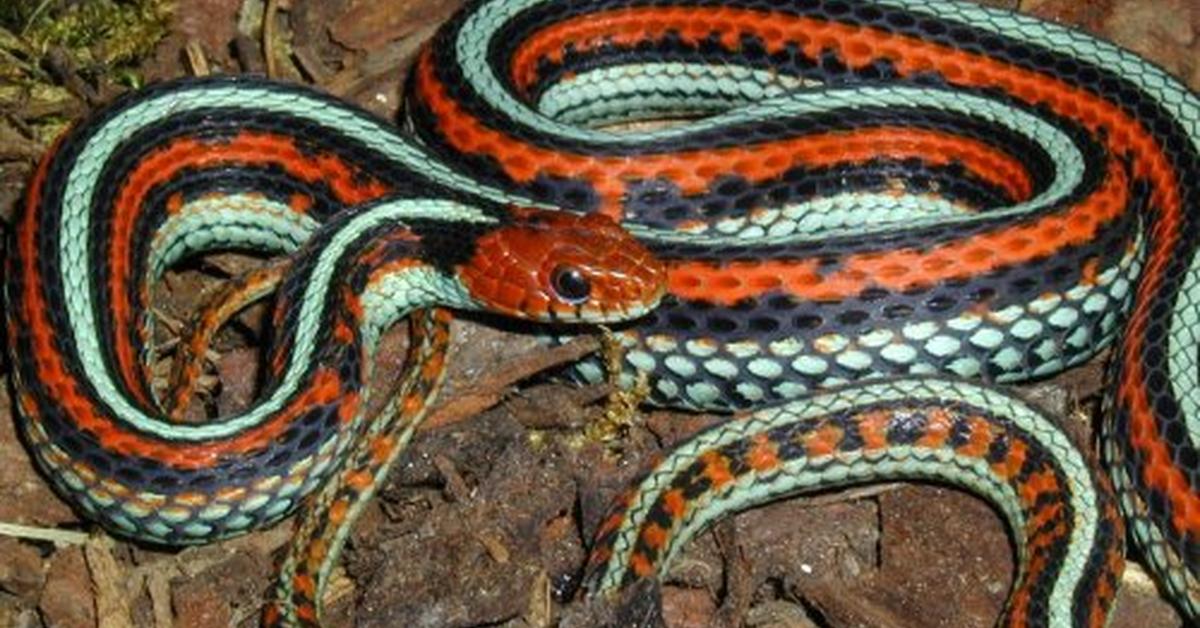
point(865, 216)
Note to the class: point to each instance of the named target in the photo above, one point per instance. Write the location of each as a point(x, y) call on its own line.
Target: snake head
point(554, 266)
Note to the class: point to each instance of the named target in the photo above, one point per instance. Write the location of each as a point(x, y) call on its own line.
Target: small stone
point(199, 603)
point(21, 572)
point(778, 614)
point(687, 607)
point(67, 599)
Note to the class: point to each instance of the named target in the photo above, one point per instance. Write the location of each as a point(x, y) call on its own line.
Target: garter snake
point(892, 192)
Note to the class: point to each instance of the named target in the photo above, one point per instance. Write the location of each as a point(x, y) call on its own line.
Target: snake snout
point(552, 266)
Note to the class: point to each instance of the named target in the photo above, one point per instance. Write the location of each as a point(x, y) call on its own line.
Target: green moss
point(95, 32)
point(15, 13)
point(103, 40)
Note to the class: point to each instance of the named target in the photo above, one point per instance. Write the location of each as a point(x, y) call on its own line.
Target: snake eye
point(570, 284)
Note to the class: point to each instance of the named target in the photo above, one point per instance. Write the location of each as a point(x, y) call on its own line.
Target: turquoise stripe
point(82, 316)
point(261, 224)
point(795, 476)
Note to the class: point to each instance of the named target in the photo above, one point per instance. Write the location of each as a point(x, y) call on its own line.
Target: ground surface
point(485, 519)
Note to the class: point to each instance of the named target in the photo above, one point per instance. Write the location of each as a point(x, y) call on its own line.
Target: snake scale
point(874, 212)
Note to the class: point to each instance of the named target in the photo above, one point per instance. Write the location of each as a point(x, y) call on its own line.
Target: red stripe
point(66, 392)
point(727, 283)
point(247, 148)
point(694, 171)
point(858, 46)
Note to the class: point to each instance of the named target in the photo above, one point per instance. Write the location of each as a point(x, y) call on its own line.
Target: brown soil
point(485, 519)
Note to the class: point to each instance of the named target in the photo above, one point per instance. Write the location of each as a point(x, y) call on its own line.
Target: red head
point(558, 266)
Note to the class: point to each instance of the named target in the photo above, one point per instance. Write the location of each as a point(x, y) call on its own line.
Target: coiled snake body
point(879, 201)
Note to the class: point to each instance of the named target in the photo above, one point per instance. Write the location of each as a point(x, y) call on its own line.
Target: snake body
point(877, 196)
point(178, 170)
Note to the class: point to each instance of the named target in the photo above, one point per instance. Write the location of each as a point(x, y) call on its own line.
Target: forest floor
point(486, 518)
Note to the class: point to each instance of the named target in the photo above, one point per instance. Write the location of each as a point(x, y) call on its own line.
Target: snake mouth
point(630, 310)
